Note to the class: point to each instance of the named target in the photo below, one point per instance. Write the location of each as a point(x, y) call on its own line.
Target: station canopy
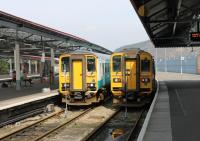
point(170, 23)
point(35, 38)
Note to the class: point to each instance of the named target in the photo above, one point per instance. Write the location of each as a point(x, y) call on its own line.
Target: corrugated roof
point(169, 22)
point(39, 37)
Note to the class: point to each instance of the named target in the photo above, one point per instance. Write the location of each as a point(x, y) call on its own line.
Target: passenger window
point(91, 64)
point(65, 64)
point(117, 63)
point(145, 65)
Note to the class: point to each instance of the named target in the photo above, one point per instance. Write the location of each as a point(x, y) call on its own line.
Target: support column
point(165, 60)
point(181, 61)
point(11, 69)
point(29, 66)
point(14, 60)
point(22, 68)
point(52, 75)
point(156, 64)
point(17, 65)
point(42, 66)
point(36, 69)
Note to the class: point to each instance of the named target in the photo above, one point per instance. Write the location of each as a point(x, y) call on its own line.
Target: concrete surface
point(159, 126)
point(169, 76)
point(176, 113)
point(10, 92)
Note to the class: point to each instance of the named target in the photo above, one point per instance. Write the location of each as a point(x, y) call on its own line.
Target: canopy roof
point(169, 22)
point(34, 38)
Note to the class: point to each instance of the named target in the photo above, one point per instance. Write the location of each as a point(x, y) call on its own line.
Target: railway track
point(118, 128)
point(39, 129)
point(25, 110)
point(88, 125)
point(133, 132)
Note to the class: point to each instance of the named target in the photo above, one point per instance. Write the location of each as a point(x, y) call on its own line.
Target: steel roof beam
point(160, 25)
point(170, 21)
point(177, 14)
point(45, 41)
point(177, 37)
point(157, 12)
point(158, 31)
point(28, 30)
point(27, 37)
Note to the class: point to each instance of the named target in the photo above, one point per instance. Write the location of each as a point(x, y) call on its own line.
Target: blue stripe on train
point(106, 77)
point(100, 84)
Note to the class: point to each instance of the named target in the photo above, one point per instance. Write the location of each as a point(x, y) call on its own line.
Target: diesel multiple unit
point(86, 77)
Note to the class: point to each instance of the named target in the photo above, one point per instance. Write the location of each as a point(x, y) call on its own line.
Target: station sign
point(195, 36)
point(182, 58)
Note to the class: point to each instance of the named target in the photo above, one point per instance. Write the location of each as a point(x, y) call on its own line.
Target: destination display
point(195, 36)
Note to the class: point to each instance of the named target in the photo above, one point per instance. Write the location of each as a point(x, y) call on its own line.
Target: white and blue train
point(84, 77)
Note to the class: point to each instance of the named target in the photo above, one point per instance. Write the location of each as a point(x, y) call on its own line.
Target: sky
point(109, 23)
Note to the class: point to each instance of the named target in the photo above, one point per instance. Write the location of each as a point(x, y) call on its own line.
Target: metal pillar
point(165, 60)
point(156, 65)
point(181, 62)
point(14, 60)
point(42, 66)
point(17, 65)
point(21, 65)
point(11, 69)
point(29, 66)
point(52, 75)
point(36, 69)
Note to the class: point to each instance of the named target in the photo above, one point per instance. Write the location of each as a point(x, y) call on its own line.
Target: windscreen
point(145, 65)
point(90, 64)
point(65, 64)
point(117, 63)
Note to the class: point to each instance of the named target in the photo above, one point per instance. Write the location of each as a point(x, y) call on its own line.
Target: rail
point(128, 136)
point(24, 131)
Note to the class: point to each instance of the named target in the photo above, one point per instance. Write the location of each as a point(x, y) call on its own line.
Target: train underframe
point(81, 98)
point(132, 99)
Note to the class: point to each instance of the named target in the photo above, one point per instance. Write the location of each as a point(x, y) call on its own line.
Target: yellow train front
point(83, 77)
point(132, 77)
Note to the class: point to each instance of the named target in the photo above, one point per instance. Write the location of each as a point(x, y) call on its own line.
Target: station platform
point(10, 97)
point(174, 114)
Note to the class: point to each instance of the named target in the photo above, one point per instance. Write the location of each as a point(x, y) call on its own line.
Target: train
point(132, 75)
point(87, 77)
point(84, 77)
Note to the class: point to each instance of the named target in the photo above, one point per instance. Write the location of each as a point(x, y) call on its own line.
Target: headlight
point(91, 85)
point(116, 80)
point(145, 80)
point(65, 85)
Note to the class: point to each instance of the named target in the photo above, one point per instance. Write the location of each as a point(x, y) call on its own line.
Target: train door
point(77, 74)
point(131, 74)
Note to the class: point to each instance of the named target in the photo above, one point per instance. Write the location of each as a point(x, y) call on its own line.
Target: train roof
point(133, 52)
point(105, 56)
